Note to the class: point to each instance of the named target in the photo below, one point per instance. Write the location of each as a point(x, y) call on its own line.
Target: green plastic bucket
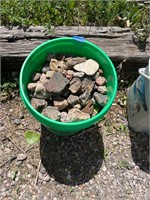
point(66, 45)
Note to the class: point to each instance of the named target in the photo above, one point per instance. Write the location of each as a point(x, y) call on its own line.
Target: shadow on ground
point(72, 160)
point(140, 150)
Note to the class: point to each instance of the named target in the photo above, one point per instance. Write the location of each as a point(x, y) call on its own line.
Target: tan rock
point(75, 115)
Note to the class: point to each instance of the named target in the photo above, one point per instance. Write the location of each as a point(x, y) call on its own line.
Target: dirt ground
point(106, 161)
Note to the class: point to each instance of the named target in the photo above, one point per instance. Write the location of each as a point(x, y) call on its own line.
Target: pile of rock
point(68, 88)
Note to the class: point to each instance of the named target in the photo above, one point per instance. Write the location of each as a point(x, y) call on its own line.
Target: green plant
point(32, 137)
point(14, 174)
point(7, 89)
point(8, 85)
point(123, 164)
point(106, 153)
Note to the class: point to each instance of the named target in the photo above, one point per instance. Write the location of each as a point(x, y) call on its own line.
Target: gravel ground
point(106, 161)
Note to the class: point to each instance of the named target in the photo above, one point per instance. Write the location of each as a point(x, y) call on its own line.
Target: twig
point(16, 129)
point(15, 144)
point(37, 174)
point(38, 169)
point(10, 159)
point(29, 149)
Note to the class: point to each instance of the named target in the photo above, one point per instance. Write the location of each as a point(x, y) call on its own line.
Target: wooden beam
point(118, 43)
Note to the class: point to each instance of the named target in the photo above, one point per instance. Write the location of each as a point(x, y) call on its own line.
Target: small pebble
point(100, 81)
point(18, 163)
point(13, 183)
point(2, 128)
point(17, 121)
point(69, 177)
point(15, 74)
point(46, 178)
point(45, 69)
point(21, 115)
point(63, 116)
point(21, 157)
point(78, 74)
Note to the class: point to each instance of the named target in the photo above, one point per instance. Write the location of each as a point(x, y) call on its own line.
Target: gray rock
point(36, 76)
point(60, 103)
point(18, 163)
point(13, 183)
point(46, 178)
point(63, 116)
point(68, 177)
point(96, 75)
point(32, 86)
point(75, 85)
point(100, 81)
point(89, 67)
point(17, 121)
point(2, 128)
point(78, 74)
point(38, 104)
point(89, 108)
point(73, 99)
point(15, 74)
point(100, 98)
point(75, 115)
point(51, 112)
point(57, 83)
point(2, 137)
point(87, 83)
point(40, 92)
point(21, 157)
point(85, 97)
point(102, 89)
point(70, 62)
point(45, 68)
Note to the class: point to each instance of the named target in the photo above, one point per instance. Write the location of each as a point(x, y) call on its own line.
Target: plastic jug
point(138, 102)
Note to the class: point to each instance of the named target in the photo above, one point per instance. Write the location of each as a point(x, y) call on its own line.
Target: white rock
point(89, 67)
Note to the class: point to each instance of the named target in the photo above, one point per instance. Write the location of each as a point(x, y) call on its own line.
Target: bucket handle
point(141, 72)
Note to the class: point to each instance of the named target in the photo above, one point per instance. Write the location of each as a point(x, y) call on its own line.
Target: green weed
point(123, 164)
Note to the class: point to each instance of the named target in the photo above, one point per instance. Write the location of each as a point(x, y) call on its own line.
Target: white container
point(138, 102)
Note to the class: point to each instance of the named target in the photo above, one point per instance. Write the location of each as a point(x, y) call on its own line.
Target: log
point(119, 43)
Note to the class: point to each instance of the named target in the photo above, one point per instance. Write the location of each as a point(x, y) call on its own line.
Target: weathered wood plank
point(40, 32)
point(117, 42)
